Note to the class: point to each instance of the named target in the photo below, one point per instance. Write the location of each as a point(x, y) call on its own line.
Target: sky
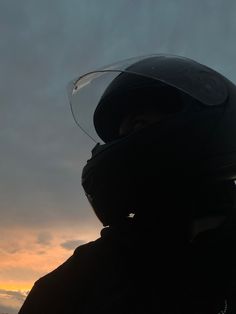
point(44, 214)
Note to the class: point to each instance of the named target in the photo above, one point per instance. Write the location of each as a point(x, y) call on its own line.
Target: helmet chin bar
point(206, 223)
point(146, 172)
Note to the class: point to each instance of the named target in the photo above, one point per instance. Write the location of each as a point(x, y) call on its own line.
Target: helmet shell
point(146, 79)
point(196, 145)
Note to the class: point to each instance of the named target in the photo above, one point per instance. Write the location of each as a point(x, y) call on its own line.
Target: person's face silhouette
point(138, 120)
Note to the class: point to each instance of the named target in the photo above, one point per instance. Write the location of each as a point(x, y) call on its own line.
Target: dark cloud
point(44, 238)
point(72, 244)
point(46, 44)
point(13, 248)
point(41, 252)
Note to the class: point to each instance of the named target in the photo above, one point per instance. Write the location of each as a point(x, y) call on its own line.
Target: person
point(162, 184)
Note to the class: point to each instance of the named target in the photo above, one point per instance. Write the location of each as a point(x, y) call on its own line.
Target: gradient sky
point(44, 44)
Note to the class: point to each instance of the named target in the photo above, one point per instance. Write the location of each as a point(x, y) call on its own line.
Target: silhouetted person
point(162, 184)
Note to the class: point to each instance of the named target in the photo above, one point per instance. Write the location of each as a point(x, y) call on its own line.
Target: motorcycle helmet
point(189, 153)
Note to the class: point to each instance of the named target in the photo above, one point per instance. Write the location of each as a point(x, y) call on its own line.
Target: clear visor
point(193, 78)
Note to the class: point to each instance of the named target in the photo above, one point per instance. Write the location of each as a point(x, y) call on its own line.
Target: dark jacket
point(126, 271)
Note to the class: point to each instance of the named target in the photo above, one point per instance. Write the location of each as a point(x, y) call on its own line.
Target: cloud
point(44, 238)
point(72, 244)
point(7, 309)
point(18, 295)
point(11, 301)
point(40, 251)
point(12, 247)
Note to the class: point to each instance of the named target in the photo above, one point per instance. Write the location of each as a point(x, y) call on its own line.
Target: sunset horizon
point(32, 254)
point(44, 212)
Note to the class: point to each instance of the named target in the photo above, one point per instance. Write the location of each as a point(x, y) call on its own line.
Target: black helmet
point(194, 146)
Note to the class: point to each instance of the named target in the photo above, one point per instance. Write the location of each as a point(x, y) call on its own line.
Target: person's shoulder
point(53, 287)
point(77, 261)
point(91, 268)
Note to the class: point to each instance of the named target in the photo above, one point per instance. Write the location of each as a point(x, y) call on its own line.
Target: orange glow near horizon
point(23, 287)
point(28, 254)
